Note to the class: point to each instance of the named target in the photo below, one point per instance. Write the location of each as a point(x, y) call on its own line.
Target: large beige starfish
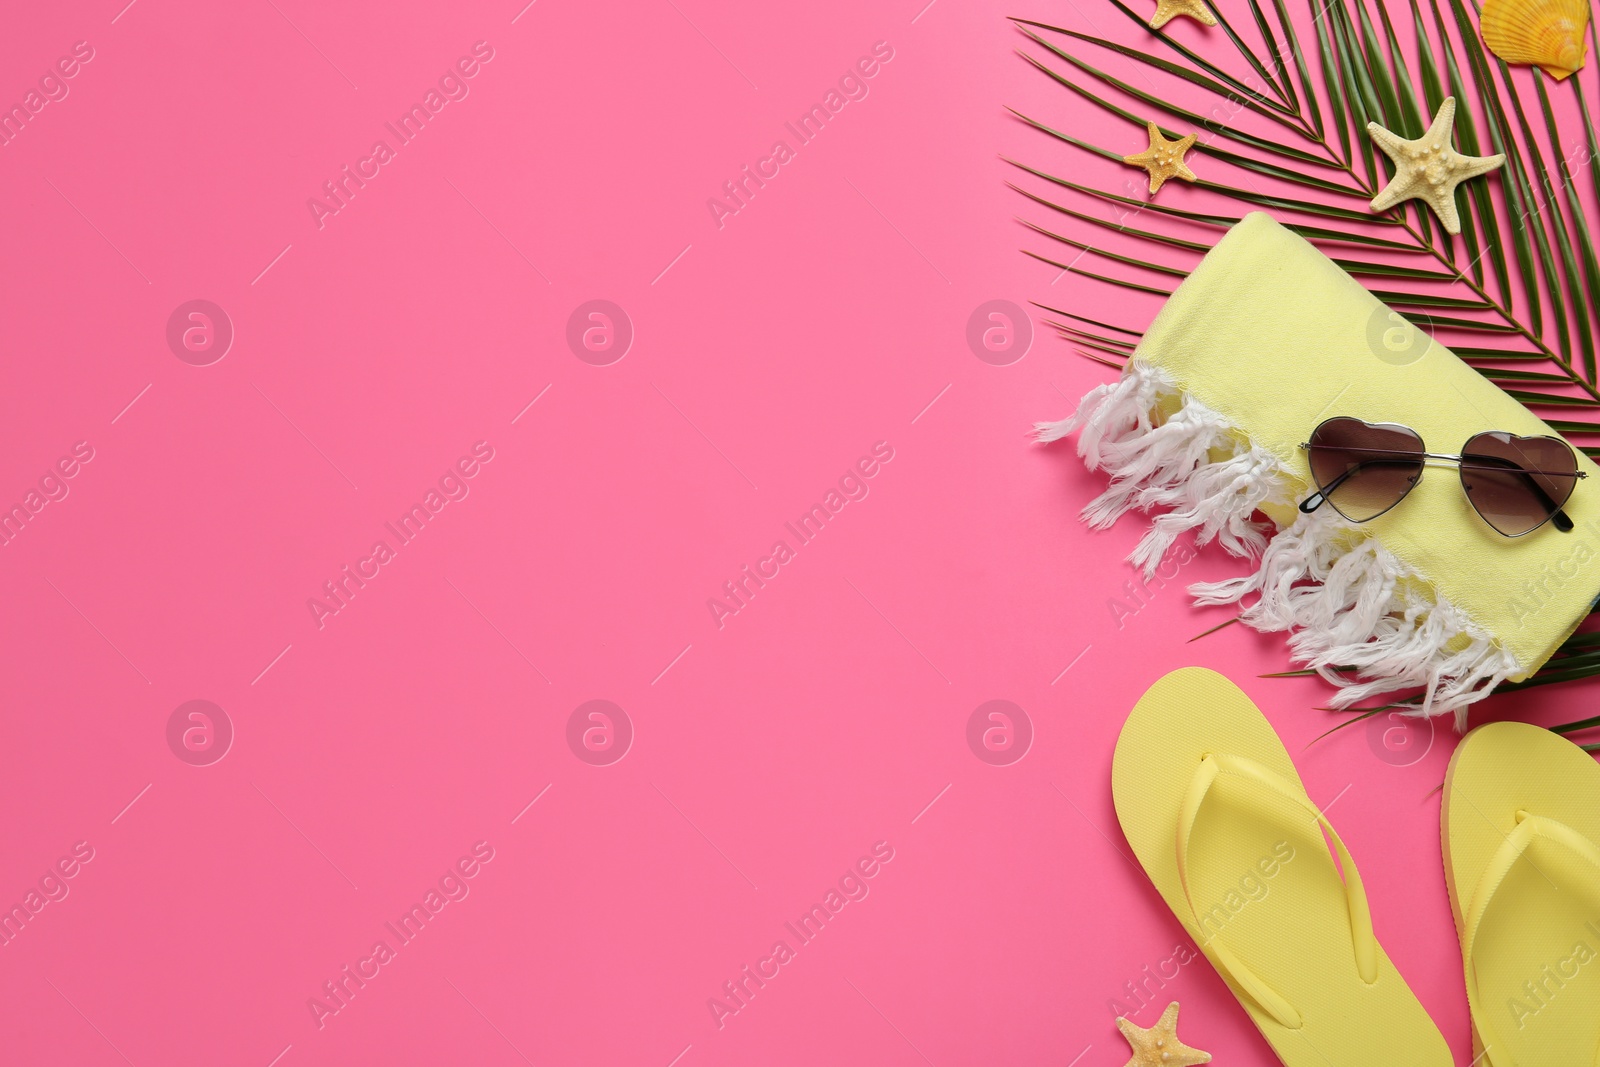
point(1429, 169)
point(1159, 1046)
point(1195, 9)
point(1164, 158)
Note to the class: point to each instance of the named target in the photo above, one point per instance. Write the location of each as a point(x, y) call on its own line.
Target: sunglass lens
point(1363, 469)
point(1517, 483)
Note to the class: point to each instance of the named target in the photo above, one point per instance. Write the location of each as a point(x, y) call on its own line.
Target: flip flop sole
point(1262, 879)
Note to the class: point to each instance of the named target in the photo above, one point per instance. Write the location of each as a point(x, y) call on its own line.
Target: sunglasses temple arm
point(1320, 497)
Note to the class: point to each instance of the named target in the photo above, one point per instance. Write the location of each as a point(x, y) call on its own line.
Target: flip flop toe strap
point(1529, 829)
point(1363, 942)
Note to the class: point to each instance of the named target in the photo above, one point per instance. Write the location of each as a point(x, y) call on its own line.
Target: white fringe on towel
point(1346, 600)
point(1191, 461)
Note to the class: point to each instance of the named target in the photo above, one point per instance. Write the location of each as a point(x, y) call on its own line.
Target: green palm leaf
point(1221, 129)
point(1361, 99)
point(1200, 62)
point(1245, 51)
point(1492, 355)
point(1091, 322)
point(1467, 138)
point(1390, 270)
point(1588, 126)
point(1074, 269)
point(1285, 84)
point(1254, 101)
point(1333, 85)
point(1381, 75)
point(1580, 225)
point(1158, 238)
point(1074, 337)
point(1117, 256)
point(1503, 374)
point(1293, 40)
point(1408, 114)
point(1518, 195)
point(1549, 210)
point(1111, 344)
point(1221, 221)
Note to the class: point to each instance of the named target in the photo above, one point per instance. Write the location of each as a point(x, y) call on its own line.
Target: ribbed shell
point(1545, 33)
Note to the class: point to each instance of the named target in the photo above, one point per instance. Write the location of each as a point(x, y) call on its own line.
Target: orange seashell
point(1545, 33)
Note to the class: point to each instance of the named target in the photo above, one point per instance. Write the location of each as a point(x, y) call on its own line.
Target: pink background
point(769, 754)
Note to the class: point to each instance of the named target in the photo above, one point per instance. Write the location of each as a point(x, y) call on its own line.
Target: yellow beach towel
point(1264, 340)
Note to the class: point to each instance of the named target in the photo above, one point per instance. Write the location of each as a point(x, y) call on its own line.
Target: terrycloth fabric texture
point(1264, 340)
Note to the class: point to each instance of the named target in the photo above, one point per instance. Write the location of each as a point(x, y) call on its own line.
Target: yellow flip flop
point(1521, 832)
point(1215, 811)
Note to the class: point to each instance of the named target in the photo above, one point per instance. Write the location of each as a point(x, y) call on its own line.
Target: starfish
point(1429, 169)
point(1159, 1046)
point(1195, 9)
point(1164, 158)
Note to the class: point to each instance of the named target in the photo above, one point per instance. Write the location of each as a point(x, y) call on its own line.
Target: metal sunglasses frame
point(1464, 461)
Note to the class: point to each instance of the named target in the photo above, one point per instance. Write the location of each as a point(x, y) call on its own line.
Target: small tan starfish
point(1164, 158)
point(1429, 169)
point(1195, 9)
point(1159, 1046)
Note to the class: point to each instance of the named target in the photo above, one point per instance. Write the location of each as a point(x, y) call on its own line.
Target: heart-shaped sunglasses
point(1517, 484)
